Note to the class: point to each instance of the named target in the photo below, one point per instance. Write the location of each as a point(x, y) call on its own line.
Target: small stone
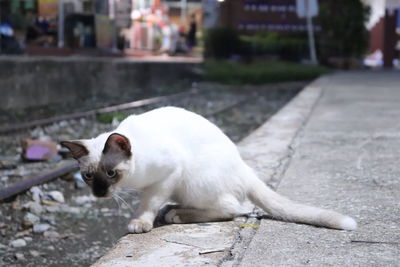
point(50, 247)
point(34, 207)
point(68, 209)
point(4, 179)
point(63, 123)
point(16, 206)
point(57, 196)
point(52, 209)
point(18, 243)
point(23, 233)
point(2, 246)
point(19, 256)
point(30, 219)
point(28, 238)
point(34, 253)
point(49, 219)
point(36, 193)
point(40, 227)
point(129, 255)
point(51, 235)
point(80, 200)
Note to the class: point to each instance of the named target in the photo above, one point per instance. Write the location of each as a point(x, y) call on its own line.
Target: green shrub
point(260, 72)
point(286, 47)
point(221, 43)
point(342, 35)
point(108, 117)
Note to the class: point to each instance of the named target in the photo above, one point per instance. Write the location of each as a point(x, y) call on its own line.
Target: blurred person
point(35, 32)
point(9, 44)
point(174, 38)
point(166, 38)
point(191, 36)
point(43, 24)
point(181, 44)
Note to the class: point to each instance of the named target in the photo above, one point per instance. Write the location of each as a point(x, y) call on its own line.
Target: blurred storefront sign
point(272, 15)
point(306, 8)
point(48, 8)
point(104, 38)
point(122, 9)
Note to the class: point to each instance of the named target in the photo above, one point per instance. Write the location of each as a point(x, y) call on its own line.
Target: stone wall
point(36, 81)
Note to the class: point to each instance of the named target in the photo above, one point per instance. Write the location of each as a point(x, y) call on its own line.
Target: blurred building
point(103, 24)
point(249, 16)
point(384, 27)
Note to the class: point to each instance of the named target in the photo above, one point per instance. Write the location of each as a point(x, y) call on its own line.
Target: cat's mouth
point(103, 192)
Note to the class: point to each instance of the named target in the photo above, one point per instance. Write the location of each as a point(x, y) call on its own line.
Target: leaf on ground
point(249, 225)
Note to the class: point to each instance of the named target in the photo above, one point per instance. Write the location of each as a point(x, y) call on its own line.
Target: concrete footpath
point(337, 146)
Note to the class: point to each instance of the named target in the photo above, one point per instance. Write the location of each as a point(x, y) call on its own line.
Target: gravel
point(41, 227)
point(57, 196)
point(18, 243)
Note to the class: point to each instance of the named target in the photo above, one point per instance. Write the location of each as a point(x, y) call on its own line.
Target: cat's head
point(104, 161)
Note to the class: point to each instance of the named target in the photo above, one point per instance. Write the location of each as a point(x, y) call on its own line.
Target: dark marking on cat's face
point(117, 149)
point(100, 180)
point(103, 174)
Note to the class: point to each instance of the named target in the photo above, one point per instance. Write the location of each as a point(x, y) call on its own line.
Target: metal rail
point(135, 104)
point(40, 179)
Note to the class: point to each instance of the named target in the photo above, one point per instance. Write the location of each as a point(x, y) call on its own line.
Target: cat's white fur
point(180, 156)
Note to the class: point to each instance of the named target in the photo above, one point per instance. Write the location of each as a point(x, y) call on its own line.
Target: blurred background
point(72, 69)
point(342, 32)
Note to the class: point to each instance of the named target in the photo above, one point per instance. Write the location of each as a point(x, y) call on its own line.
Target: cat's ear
point(77, 148)
point(117, 143)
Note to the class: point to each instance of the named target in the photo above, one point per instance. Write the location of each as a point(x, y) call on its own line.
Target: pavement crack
point(180, 243)
point(375, 242)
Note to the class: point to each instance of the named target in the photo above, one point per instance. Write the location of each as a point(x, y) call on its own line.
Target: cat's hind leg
point(190, 215)
point(225, 208)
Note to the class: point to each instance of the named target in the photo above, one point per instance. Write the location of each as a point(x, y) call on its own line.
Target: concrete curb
point(346, 159)
point(268, 151)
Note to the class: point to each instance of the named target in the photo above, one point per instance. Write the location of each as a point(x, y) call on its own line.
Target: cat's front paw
point(172, 217)
point(138, 226)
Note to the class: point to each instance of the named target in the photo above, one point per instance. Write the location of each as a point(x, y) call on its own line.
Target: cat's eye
point(111, 173)
point(87, 176)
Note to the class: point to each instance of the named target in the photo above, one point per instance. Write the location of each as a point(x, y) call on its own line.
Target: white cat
point(171, 154)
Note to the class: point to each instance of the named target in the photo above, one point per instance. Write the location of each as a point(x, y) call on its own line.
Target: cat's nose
point(100, 187)
point(100, 192)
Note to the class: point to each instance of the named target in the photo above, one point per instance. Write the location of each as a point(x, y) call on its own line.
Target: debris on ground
point(7, 165)
point(36, 150)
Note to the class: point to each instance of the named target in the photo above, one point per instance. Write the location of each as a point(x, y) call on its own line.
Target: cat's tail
point(284, 209)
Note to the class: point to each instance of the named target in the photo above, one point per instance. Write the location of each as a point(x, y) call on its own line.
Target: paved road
point(346, 158)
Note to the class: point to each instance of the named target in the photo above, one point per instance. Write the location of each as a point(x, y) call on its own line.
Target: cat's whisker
point(116, 200)
point(127, 205)
point(124, 202)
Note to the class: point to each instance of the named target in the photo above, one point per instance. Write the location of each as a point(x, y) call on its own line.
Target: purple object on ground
point(37, 152)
